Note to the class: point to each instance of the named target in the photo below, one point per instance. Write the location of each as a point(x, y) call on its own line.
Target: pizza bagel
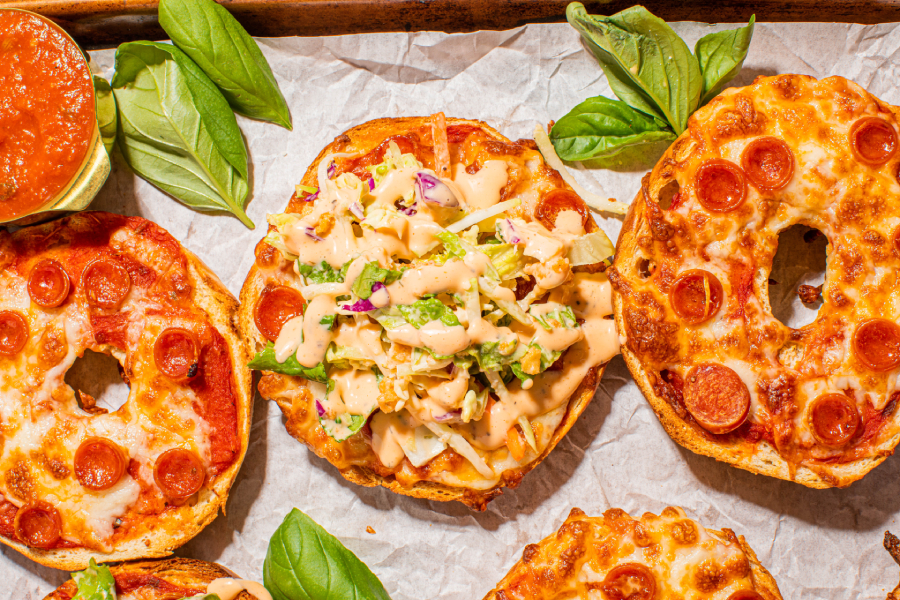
point(817, 404)
point(76, 481)
point(616, 557)
point(430, 311)
point(170, 579)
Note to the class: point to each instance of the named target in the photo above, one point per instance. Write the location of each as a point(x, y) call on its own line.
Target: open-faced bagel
point(171, 579)
point(816, 405)
point(481, 168)
point(79, 482)
point(617, 556)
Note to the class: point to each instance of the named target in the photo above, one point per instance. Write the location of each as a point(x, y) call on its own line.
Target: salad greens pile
point(657, 79)
point(170, 107)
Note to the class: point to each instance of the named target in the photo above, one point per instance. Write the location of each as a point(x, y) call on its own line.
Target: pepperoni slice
point(13, 332)
point(99, 464)
point(768, 163)
point(716, 397)
point(834, 419)
point(873, 140)
point(745, 595)
point(277, 305)
point(629, 581)
point(106, 283)
point(48, 284)
point(720, 185)
point(877, 344)
point(38, 525)
point(176, 353)
point(179, 473)
point(696, 296)
point(556, 201)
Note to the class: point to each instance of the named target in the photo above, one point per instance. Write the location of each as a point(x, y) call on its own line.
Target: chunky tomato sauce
point(47, 112)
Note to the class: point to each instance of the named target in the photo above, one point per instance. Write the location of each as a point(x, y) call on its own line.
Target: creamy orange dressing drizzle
point(482, 190)
point(228, 588)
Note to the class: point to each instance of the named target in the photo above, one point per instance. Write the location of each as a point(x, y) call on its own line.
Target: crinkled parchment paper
point(817, 543)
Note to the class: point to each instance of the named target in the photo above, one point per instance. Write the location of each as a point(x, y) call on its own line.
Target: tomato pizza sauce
point(47, 112)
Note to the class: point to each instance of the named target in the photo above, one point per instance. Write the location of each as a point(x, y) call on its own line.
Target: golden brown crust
point(153, 578)
point(686, 560)
point(668, 239)
point(290, 394)
point(172, 530)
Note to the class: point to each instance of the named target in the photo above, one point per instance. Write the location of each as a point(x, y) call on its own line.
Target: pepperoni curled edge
point(38, 525)
point(276, 306)
point(716, 397)
point(720, 185)
point(106, 282)
point(179, 473)
point(873, 141)
point(696, 296)
point(48, 284)
point(177, 353)
point(768, 163)
point(876, 343)
point(745, 595)
point(556, 201)
point(629, 581)
point(99, 464)
point(13, 332)
point(834, 420)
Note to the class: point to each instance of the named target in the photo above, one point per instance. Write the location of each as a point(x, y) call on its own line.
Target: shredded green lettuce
point(590, 249)
point(346, 357)
point(322, 273)
point(95, 583)
point(561, 317)
point(424, 311)
point(265, 361)
point(371, 274)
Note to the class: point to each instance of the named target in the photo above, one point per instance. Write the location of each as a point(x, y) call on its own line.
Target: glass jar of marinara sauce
point(52, 157)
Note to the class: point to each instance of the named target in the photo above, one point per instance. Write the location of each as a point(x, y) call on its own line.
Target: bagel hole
point(667, 194)
point(646, 267)
point(97, 376)
point(799, 261)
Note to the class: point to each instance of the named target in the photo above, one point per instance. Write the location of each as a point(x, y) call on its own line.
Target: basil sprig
point(206, 31)
point(657, 79)
point(177, 131)
point(305, 562)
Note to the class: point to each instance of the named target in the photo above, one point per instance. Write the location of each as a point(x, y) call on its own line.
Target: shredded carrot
point(515, 443)
point(441, 146)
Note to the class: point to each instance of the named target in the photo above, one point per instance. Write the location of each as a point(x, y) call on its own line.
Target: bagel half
point(805, 129)
point(354, 457)
point(166, 264)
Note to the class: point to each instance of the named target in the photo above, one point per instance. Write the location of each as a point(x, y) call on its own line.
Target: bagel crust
point(448, 476)
point(684, 559)
point(822, 398)
point(49, 457)
point(171, 579)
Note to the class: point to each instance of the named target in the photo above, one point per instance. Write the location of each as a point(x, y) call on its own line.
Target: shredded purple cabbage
point(508, 231)
point(359, 306)
point(311, 197)
point(448, 416)
point(320, 409)
point(409, 211)
point(433, 190)
point(332, 169)
point(357, 210)
point(312, 233)
point(371, 184)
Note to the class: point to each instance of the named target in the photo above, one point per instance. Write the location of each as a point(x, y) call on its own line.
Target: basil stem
point(721, 56)
point(177, 131)
point(206, 31)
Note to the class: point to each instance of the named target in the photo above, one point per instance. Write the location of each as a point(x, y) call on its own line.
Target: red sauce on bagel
point(47, 114)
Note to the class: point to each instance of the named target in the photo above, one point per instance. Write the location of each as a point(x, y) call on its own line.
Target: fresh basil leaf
point(321, 273)
point(648, 66)
point(721, 56)
point(265, 361)
point(600, 127)
point(371, 274)
point(214, 39)
point(177, 131)
point(305, 562)
point(95, 583)
point(424, 311)
point(105, 103)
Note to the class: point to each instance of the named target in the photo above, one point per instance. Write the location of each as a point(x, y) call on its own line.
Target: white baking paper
point(817, 543)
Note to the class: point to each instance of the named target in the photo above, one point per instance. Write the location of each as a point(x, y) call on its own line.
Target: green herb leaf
point(177, 131)
point(305, 562)
point(105, 103)
point(371, 274)
point(214, 39)
point(95, 583)
point(648, 66)
point(721, 56)
point(321, 273)
point(600, 127)
point(424, 311)
point(265, 361)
